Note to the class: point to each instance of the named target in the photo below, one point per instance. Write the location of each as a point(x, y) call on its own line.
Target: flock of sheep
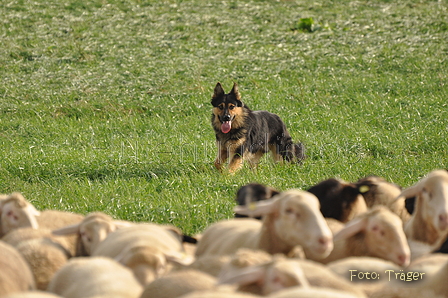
point(337, 239)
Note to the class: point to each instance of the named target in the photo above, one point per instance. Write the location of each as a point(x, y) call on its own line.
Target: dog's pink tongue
point(226, 126)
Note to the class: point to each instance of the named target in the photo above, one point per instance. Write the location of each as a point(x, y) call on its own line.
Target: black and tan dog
point(243, 134)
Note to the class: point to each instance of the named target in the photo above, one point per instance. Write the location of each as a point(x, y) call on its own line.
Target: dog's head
point(226, 107)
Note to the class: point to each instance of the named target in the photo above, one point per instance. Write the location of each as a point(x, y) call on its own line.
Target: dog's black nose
point(226, 118)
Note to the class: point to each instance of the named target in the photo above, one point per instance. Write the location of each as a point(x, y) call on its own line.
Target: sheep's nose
point(324, 240)
point(403, 260)
point(443, 221)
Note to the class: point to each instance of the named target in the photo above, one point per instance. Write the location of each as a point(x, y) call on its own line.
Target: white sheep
point(258, 275)
point(319, 276)
point(55, 219)
point(378, 191)
point(18, 236)
point(429, 263)
point(434, 286)
point(298, 292)
point(218, 294)
point(45, 257)
point(179, 283)
point(266, 278)
point(429, 221)
point(291, 218)
point(32, 294)
point(364, 273)
point(16, 212)
point(88, 277)
point(376, 233)
point(342, 267)
point(15, 274)
point(145, 248)
point(93, 229)
point(44, 252)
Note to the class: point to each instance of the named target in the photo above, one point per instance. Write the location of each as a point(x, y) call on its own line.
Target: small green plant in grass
point(305, 25)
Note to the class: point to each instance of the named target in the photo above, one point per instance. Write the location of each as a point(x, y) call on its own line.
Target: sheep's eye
point(289, 211)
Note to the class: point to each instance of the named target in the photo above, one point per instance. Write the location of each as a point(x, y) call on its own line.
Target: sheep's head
point(339, 199)
point(16, 212)
point(378, 233)
point(296, 219)
point(376, 191)
point(91, 231)
point(272, 276)
point(432, 199)
point(149, 262)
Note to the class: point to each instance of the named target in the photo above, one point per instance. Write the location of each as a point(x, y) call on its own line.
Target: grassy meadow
point(105, 104)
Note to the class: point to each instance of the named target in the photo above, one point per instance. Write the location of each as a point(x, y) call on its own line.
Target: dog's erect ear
point(236, 92)
point(218, 91)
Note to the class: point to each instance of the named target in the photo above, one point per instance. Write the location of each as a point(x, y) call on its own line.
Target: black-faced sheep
point(253, 192)
point(378, 191)
point(339, 199)
point(292, 218)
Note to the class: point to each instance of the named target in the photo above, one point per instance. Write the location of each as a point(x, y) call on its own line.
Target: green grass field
point(105, 104)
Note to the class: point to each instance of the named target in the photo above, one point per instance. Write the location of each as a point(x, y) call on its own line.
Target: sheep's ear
point(119, 224)
point(31, 210)
point(243, 276)
point(411, 191)
point(179, 258)
point(31, 213)
point(68, 230)
point(122, 256)
point(351, 228)
point(256, 209)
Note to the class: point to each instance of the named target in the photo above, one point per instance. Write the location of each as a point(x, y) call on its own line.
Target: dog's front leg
point(236, 163)
point(222, 156)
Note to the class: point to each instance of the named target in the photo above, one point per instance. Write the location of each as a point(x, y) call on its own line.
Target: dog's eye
point(221, 107)
point(231, 107)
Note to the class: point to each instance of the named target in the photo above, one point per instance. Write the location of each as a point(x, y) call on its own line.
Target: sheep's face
point(15, 213)
point(93, 232)
point(147, 263)
point(300, 222)
point(385, 238)
point(283, 274)
point(434, 195)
